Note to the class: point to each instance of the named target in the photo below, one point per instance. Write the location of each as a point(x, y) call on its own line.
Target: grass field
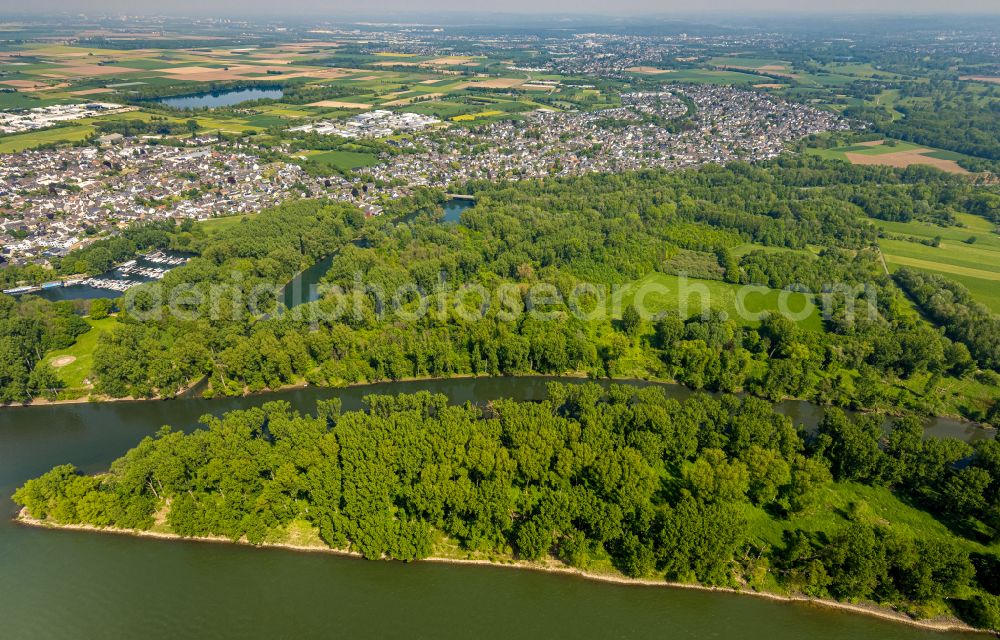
point(748, 62)
point(845, 502)
point(22, 101)
point(896, 154)
point(216, 225)
point(741, 250)
point(474, 116)
point(32, 139)
point(710, 76)
point(975, 265)
point(664, 292)
point(345, 160)
point(840, 153)
point(74, 374)
point(442, 110)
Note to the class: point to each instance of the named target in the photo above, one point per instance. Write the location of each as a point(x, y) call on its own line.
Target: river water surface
point(69, 584)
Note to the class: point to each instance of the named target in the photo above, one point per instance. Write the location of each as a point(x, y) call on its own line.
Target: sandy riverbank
point(553, 566)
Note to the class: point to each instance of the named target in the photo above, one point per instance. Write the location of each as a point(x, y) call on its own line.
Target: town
point(54, 200)
point(727, 124)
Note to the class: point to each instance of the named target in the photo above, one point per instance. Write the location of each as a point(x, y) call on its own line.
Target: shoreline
point(871, 610)
point(92, 399)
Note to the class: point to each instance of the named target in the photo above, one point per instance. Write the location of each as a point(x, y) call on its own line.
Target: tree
point(808, 477)
point(769, 473)
point(631, 320)
point(669, 329)
point(713, 478)
point(851, 446)
point(100, 308)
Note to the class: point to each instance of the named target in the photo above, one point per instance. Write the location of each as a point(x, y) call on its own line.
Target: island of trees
point(621, 481)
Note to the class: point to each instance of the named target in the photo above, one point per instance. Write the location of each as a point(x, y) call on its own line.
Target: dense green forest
point(132, 127)
point(716, 491)
point(956, 122)
point(950, 305)
point(162, 349)
point(28, 330)
point(803, 219)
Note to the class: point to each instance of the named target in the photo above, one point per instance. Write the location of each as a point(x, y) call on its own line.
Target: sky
point(385, 8)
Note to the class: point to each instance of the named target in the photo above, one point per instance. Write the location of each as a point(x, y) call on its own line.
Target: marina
point(148, 267)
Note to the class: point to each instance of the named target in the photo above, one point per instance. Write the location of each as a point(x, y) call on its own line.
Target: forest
point(950, 305)
point(794, 223)
point(28, 330)
point(624, 479)
point(955, 122)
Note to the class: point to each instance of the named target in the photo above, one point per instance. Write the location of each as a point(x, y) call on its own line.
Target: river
point(61, 584)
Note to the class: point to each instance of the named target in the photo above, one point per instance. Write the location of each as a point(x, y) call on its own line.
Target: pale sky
point(385, 8)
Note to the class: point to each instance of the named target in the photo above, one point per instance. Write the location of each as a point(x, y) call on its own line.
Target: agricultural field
point(767, 66)
point(451, 87)
point(815, 75)
point(699, 76)
point(895, 154)
point(665, 292)
point(973, 263)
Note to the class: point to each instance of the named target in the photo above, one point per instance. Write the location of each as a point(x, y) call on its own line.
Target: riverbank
point(552, 566)
point(100, 399)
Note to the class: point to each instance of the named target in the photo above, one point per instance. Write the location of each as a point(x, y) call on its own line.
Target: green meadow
point(710, 76)
point(689, 296)
point(32, 139)
point(345, 160)
point(838, 153)
point(221, 223)
point(74, 374)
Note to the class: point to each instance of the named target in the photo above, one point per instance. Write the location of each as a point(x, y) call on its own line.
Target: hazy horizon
point(387, 10)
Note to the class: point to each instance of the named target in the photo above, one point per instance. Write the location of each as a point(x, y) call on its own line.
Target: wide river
point(67, 584)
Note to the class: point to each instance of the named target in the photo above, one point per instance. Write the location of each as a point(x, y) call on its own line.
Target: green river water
point(68, 584)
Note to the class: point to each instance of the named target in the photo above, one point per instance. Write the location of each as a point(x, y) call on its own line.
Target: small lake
point(454, 207)
point(219, 98)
